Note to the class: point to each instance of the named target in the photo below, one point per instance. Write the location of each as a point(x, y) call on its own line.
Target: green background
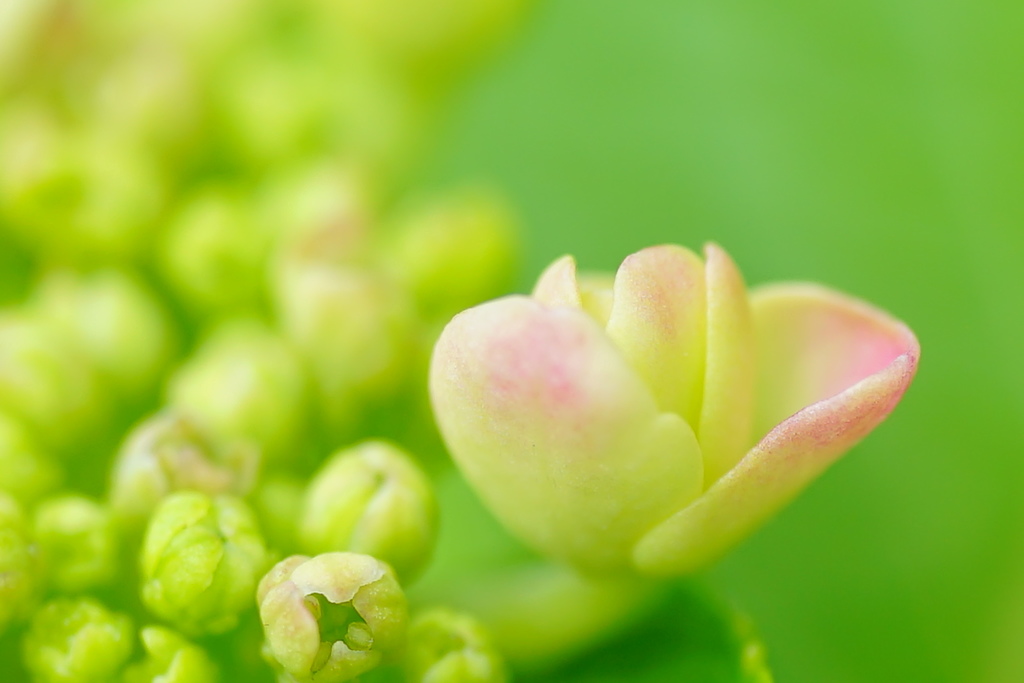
point(877, 147)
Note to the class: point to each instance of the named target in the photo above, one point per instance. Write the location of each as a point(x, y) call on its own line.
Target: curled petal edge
point(784, 462)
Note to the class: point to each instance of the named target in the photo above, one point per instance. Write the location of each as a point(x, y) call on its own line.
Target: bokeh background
point(877, 147)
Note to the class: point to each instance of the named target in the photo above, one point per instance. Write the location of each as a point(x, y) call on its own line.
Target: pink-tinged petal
point(658, 320)
point(556, 432)
point(726, 418)
point(557, 285)
point(783, 463)
point(814, 343)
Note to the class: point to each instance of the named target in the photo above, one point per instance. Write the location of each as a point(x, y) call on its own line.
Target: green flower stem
point(371, 499)
point(539, 614)
point(201, 559)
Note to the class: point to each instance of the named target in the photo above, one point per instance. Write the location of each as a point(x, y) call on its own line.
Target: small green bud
point(246, 383)
point(170, 659)
point(277, 108)
point(78, 543)
point(104, 195)
point(449, 647)
point(77, 641)
point(19, 575)
point(371, 499)
point(332, 617)
point(456, 253)
point(213, 253)
point(354, 327)
point(201, 558)
point(171, 452)
point(26, 472)
point(46, 383)
point(116, 321)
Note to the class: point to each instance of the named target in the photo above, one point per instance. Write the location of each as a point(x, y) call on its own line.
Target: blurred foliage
point(873, 146)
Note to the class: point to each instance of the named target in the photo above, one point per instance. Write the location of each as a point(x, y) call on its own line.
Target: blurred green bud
point(277, 108)
point(371, 499)
point(245, 382)
point(332, 617)
point(456, 253)
point(213, 253)
point(150, 96)
point(321, 213)
point(449, 647)
point(354, 327)
point(77, 641)
point(19, 574)
point(117, 322)
point(78, 543)
point(46, 383)
point(278, 501)
point(170, 659)
point(104, 195)
point(171, 452)
point(201, 559)
point(26, 472)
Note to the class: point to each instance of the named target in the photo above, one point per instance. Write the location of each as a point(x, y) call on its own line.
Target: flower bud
point(171, 452)
point(354, 327)
point(117, 323)
point(19, 569)
point(200, 561)
point(26, 472)
point(77, 641)
point(78, 543)
point(246, 383)
point(449, 647)
point(46, 384)
point(610, 422)
point(213, 252)
point(102, 193)
point(371, 499)
point(332, 617)
point(456, 253)
point(170, 659)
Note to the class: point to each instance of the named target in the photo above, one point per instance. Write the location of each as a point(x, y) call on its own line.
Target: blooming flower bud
point(245, 383)
point(371, 499)
point(170, 659)
point(200, 561)
point(77, 641)
point(332, 617)
point(448, 647)
point(456, 253)
point(611, 424)
point(78, 543)
point(19, 572)
point(26, 472)
point(116, 321)
point(171, 452)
